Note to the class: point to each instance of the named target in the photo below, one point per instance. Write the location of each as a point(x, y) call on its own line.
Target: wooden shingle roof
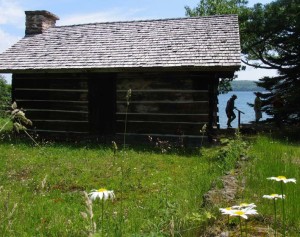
point(200, 42)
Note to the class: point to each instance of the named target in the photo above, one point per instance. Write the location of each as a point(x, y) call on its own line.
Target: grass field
point(274, 157)
point(42, 187)
point(156, 194)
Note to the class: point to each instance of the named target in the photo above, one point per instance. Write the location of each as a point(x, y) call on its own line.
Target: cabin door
point(102, 104)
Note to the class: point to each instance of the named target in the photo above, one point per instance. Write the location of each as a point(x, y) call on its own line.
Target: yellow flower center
point(273, 195)
point(239, 213)
point(102, 190)
point(281, 177)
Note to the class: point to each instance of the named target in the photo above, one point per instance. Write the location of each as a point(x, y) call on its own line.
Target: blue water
point(243, 97)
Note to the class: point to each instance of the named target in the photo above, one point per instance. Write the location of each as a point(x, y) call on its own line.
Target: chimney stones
point(39, 21)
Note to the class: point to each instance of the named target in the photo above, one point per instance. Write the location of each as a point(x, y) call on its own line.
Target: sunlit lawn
point(41, 187)
point(156, 194)
point(269, 158)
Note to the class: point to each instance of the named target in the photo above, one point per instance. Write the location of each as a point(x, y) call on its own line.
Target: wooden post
point(239, 117)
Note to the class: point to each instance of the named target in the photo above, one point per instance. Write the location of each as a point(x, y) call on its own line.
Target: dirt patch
point(228, 196)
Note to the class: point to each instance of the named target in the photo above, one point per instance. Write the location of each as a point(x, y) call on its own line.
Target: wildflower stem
point(4, 126)
point(241, 226)
point(128, 95)
point(275, 217)
point(102, 218)
point(283, 209)
point(31, 138)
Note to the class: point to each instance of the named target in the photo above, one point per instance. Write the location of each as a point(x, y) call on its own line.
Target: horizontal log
point(53, 105)
point(50, 95)
point(61, 125)
point(57, 115)
point(172, 108)
point(50, 83)
point(173, 140)
point(146, 82)
point(60, 132)
point(158, 127)
point(159, 80)
point(163, 102)
point(164, 95)
point(164, 117)
point(51, 90)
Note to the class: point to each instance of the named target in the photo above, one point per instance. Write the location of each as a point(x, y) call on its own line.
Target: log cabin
point(72, 80)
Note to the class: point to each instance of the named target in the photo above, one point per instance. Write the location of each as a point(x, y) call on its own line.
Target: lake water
point(243, 97)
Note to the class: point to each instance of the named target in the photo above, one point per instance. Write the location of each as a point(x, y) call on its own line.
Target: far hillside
point(244, 85)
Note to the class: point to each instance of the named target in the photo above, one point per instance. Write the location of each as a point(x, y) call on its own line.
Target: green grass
point(5, 124)
point(161, 193)
point(271, 158)
point(41, 188)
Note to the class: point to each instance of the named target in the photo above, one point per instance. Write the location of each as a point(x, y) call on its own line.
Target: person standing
point(229, 110)
point(257, 107)
point(278, 104)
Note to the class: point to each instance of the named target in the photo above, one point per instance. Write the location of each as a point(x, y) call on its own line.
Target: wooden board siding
point(56, 103)
point(164, 104)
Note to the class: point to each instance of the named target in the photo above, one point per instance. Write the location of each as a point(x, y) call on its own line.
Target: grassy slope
point(46, 183)
point(273, 158)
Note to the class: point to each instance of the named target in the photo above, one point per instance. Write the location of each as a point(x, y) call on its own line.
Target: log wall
point(56, 103)
point(165, 104)
point(162, 104)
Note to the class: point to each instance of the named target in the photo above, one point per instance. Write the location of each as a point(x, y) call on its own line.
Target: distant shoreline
point(245, 85)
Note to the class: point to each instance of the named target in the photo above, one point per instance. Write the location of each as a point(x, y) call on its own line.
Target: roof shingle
point(211, 41)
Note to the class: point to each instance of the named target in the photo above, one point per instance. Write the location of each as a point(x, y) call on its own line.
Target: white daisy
point(102, 193)
point(274, 196)
point(243, 212)
point(226, 211)
point(282, 179)
point(244, 205)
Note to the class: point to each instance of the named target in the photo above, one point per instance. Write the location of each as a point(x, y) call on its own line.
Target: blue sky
point(12, 17)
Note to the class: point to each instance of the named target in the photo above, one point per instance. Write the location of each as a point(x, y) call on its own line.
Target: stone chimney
point(39, 21)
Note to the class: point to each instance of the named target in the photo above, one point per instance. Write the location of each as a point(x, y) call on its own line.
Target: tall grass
point(42, 188)
point(273, 158)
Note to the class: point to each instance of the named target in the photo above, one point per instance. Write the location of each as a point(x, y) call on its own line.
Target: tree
point(275, 44)
point(5, 97)
point(219, 7)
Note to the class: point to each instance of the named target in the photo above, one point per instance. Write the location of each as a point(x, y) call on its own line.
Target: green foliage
point(19, 121)
point(275, 44)
point(213, 7)
point(5, 96)
point(231, 151)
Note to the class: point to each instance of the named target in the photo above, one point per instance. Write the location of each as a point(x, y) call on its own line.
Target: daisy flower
point(102, 193)
point(243, 213)
point(274, 196)
point(282, 179)
point(226, 211)
point(244, 206)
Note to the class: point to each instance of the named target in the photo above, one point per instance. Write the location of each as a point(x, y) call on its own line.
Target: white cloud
point(7, 40)
point(11, 13)
point(103, 16)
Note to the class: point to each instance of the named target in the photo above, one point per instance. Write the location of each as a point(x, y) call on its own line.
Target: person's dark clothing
point(229, 110)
